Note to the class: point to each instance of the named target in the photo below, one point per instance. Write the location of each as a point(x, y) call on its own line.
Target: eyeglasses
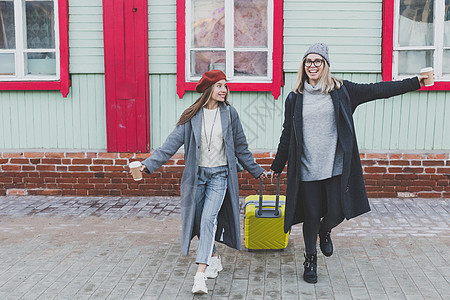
point(317, 63)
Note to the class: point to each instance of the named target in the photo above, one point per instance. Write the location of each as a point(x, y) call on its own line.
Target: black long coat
point(353, 192)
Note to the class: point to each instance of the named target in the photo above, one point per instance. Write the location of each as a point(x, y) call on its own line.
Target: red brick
point(395, 156)
point(376, 155)
point(108, 155)
point(141, 156)
point(66, 180)
point(33, 180)
point(103, 161)
point(156, 186)
point(50, 179)
point(61, 168)
point(17, 192)
point(430, 195)
point(3, 161)
point(33, 154)
point(71, 192)
point(75, 155)
point(375, 169)
point(83, 186)
point(54, 155)
point(181, 162)
point(28, 168)
point(139, 193)
point(99, 180)
point(120, 186)
point(387, 194)
point(114, 168)
point(82, 192)
point(261, 155)
point(414, 156)
point(372, 194)
point(419, 188)
point(438, 156)
point(416, 163)
point(6, 180)
point(51, 192)
point(395, 170)
point(385, 182)
point(121, 162)
point(406, 176)
point(430, 170)
point(362, 156)
point(11, 167)
point(67, 161)
point(443, 182)
point(413, 170)
point(170, 162)
point(51, 161)
point(115, 192)
point(433, 163)
point(19, 161)
point(126, 155)
point(12, 155)
point(399, 163)
point(96, 168)
point(91, 155)
point(368, 162)
point(45, 168)
point(78, 168)
point(443, 170)
point(82, 161)
point(424, 182)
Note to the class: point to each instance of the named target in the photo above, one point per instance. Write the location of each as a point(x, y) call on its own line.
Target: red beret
point(208, 79)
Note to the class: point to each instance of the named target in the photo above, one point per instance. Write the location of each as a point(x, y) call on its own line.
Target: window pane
point(7, 29)
point(41, 63)
point(447, 23)
point(250, 63)
point(202, 61)
point(250, 23)
point(446, 66)
point(208, 23)
point(40, 25)
point(410, 62)
point(7, 64)
point(416, 23)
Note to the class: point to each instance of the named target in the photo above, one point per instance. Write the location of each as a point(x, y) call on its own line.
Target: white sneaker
point(200, 284)
point(215, 266)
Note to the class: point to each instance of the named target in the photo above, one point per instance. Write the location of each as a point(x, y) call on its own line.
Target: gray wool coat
point(236, 147)
point(345, 100)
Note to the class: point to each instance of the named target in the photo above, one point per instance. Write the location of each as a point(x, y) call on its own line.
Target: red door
point(125, 31)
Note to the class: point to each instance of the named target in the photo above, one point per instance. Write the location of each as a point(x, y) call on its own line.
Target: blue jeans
point(210, 192)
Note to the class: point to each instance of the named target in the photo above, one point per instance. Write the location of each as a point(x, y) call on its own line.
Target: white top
point(212, 146)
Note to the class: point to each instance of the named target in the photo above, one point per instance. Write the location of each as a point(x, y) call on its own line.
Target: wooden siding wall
point(415, 121)
point(46, 120)
point(86, 37)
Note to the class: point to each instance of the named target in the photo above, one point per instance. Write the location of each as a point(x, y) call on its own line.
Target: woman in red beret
point(214, 142)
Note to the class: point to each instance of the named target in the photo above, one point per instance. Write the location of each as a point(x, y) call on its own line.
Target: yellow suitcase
point(263, 224)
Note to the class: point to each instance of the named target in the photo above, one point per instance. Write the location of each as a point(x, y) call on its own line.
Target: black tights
point(320, 198)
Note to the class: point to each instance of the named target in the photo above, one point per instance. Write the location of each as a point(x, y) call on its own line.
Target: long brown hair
point(204, 99)
point(327, 82)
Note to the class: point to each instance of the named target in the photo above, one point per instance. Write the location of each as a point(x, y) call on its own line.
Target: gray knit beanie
point(318, 48)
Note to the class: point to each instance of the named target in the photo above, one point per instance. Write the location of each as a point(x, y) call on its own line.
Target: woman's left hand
point(263, 175)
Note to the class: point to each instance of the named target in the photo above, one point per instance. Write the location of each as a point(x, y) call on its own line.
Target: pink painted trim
point(277, 75)
point(64, 83)
point(63, 9)
point(181, 55)
point(388, 48)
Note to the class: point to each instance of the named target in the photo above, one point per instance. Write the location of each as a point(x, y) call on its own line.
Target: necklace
point(208, 145)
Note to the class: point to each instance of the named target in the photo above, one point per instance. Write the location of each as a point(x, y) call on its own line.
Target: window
point(416, 34)
point(31, 56)
point(243, 38)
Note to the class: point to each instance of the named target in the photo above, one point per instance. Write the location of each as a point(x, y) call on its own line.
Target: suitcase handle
point(276, 212)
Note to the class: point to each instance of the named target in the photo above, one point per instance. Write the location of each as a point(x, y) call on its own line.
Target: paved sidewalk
point(128, 248)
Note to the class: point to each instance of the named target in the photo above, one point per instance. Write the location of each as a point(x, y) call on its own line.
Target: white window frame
point(20, 51)
point(229, 45)
point(438, 42)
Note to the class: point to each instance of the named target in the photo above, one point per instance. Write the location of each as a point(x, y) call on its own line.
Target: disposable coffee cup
point(428, 72)
point(135, 168)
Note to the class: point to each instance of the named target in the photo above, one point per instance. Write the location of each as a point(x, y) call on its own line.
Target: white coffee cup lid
point(135, 164)
point(427, 69)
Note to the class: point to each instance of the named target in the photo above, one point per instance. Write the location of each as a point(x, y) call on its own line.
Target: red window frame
point(63, 83)
point(277, 75)
point(388, 48)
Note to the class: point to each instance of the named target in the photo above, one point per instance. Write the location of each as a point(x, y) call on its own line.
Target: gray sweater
point(321, 158)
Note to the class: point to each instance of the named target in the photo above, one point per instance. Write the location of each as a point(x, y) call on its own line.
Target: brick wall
point(100, 174)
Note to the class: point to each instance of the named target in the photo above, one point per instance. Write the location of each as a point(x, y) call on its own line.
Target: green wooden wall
point(46, 120)
point(352, 29)
point(415, 121)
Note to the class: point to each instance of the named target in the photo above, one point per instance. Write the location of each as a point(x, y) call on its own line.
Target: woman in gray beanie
point(324, 176)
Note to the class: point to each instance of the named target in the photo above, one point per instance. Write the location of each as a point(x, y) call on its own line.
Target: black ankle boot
point(326, 245)
point(310, 264)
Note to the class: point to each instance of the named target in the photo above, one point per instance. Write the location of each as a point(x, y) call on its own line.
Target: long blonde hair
point(202, 101)
point(327, 82)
